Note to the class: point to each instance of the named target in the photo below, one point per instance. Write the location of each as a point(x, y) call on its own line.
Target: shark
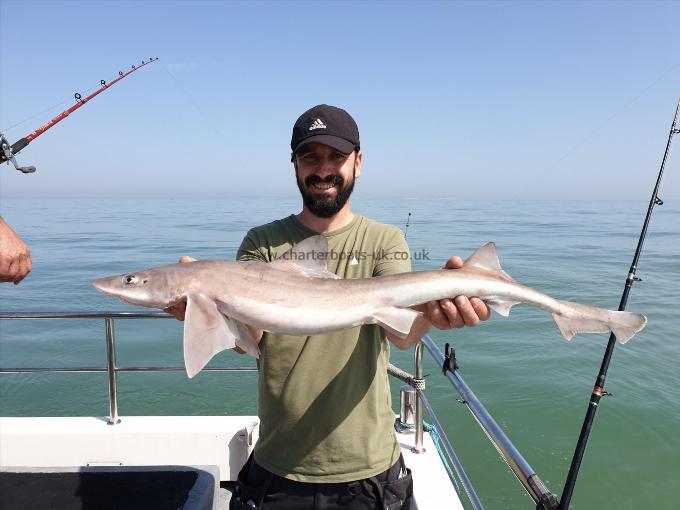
point(297, 295)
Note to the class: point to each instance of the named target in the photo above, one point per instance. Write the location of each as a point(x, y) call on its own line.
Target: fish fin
point(501, 307)
point(308, 257)
point(624, 325)
point(206, 333)
point(396, 320)
point(570, 326)
point(487, 258)
point(244, 338)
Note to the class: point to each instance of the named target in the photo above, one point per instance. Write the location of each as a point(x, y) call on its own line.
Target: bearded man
point(326, 423)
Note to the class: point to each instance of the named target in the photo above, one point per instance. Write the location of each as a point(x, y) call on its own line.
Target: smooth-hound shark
point(297, 295)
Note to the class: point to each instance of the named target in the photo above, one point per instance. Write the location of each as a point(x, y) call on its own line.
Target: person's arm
point(15, 258)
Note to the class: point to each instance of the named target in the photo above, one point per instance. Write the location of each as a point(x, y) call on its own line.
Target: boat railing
point(536, 489)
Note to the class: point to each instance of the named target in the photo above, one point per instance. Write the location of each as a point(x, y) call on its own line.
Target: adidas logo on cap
point(318, 124)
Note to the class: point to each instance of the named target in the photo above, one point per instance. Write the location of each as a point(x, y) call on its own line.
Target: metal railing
point(536, 489)
point(111, 369)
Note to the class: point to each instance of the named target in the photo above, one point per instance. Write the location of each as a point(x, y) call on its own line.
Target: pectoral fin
point(206, 332)
point(397, 320)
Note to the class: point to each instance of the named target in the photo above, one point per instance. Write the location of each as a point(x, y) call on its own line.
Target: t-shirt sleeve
point(250, 248)
point(395, 257)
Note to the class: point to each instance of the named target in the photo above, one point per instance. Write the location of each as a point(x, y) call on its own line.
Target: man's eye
point(309, 158)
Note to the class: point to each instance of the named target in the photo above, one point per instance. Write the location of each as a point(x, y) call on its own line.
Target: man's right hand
point(178, 310)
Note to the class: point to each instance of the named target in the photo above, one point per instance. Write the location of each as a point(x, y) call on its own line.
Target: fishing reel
point(7, 154)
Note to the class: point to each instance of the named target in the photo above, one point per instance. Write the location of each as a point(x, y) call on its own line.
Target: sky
point(479, 100)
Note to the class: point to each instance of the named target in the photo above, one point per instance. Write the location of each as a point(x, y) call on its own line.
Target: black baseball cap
point(328, 125)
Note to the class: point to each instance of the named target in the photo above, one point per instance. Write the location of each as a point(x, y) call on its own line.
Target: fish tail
point(577, 318)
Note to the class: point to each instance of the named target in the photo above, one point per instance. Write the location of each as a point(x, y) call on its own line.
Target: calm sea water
point(535, 384)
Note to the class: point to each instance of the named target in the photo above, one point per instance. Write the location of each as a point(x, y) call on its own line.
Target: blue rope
point(436, 439)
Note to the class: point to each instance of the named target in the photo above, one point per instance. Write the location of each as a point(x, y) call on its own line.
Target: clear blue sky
point(469, 100)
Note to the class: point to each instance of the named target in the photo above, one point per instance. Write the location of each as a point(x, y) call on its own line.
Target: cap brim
point(344, 146)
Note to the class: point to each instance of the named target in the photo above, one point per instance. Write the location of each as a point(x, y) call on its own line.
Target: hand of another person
point(15, 258)
point(178, 310)
point(459, 312)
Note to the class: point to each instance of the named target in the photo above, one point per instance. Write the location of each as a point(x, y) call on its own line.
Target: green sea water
point(535, 384)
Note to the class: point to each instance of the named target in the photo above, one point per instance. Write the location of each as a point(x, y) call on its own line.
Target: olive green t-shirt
point(324, 400)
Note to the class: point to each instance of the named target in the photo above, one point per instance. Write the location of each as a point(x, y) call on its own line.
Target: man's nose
point(325, 168)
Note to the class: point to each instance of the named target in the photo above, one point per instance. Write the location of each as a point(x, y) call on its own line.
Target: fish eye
point(130, 279)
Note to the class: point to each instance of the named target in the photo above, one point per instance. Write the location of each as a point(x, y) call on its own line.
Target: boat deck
point(83, 444)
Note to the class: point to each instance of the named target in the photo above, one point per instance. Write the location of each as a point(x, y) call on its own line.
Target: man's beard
point(325, 207)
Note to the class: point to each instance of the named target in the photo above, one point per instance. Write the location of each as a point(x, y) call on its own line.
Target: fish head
point(152, 288)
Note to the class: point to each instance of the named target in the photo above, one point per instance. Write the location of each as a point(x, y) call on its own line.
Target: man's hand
point(462, 311)
point(444, 314)
point(15, 258)
point(178, 310)
point(456, 313)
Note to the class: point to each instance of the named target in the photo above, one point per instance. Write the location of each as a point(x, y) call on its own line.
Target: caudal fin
point(586, 319)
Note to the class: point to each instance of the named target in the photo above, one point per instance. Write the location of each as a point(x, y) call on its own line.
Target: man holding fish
point(329, 288)
point(326, 431)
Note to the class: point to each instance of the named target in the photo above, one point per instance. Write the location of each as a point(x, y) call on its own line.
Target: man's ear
point(357, 164)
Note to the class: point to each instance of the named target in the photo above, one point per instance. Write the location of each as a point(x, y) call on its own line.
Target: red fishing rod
point(8, 151)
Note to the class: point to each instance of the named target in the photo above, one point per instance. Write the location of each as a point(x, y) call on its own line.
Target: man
point(326, 424)
point(15, 259)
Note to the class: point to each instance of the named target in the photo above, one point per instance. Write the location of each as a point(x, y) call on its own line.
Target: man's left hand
point(15, 258)
point(456, 313)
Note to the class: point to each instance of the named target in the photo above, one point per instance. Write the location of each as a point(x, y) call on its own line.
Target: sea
point(535, 384)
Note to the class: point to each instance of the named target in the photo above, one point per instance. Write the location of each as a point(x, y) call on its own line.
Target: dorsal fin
point(308, 257)
point(487, 258)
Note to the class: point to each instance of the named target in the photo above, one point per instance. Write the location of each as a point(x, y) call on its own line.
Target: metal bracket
point(450, 362)
point(8, 156)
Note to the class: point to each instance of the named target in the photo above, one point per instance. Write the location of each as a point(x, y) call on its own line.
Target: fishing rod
point(598, 390)
point(7, 151)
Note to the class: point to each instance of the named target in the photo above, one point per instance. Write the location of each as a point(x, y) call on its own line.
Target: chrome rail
point(111, 369)
point(418, 366)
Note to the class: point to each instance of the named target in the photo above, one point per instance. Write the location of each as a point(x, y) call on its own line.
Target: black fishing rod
point(7, 151)
point(598, 390)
